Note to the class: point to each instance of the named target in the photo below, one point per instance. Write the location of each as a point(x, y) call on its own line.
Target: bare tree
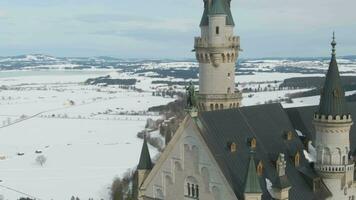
point(41, 159)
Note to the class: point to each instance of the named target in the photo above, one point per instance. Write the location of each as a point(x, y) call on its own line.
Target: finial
point(333, 44)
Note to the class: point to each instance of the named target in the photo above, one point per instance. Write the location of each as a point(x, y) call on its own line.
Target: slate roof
point(332, 101)
point(217, 7)
point(302, 118)
point(145, 158)
point(267, 124)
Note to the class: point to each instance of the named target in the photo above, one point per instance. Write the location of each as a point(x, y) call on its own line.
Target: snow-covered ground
point(87, 134)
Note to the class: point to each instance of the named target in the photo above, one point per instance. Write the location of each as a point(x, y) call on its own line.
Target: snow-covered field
point(80, 129)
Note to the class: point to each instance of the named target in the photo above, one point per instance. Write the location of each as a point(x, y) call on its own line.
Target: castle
point(229, 152)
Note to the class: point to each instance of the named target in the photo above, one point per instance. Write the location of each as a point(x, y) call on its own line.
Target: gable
point(187, 160)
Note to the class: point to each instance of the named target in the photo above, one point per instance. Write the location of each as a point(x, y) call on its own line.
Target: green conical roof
point(332, 99)
point(229, 18)
point(252, 183)
point(145, 158)
point(217, 7)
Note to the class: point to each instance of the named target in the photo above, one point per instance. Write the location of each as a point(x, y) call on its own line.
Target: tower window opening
point(229, 75)
point(217, 30)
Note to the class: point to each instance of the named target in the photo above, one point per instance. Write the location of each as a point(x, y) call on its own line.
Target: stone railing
point(236, 95)
point(335, 168)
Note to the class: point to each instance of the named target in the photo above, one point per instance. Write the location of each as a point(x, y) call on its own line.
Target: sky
point(166, 28)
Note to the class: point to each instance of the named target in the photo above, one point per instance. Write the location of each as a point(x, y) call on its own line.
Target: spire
point(332, 100)
point(252, 184)
point(145, 158)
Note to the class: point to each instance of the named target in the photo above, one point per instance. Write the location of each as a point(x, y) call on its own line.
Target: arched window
point(191, 188)
point(216, 106)
point(221, 106)
point(326, 156)
point(211, 106)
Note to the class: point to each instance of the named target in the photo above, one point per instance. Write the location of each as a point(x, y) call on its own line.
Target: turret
point(332, 123)
point(144, 167)
point(253, 189)
point(217, 51)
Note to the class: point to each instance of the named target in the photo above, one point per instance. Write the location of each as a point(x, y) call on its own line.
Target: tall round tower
point(332, 124)
point(217, 50)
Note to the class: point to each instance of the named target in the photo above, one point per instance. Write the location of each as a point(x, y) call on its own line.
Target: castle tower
point(332, 124)
point(217, 50)
point(144, 167)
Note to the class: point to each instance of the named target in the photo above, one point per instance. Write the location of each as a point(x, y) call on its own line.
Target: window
point(217, 30)
point(191, 188)
point(228, 74)
point(228, 90)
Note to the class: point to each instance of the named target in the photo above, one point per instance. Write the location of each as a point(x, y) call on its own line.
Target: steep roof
point(302, 118)
point(145, 158)
point(332, 100)
point(217, 7)
point(252, 183)
point(267, 124)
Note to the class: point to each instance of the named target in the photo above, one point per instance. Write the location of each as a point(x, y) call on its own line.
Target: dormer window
point(289, 135)
point(253, 143)
point(297, 159)
point(217, 30)
point(232, 147)
point(260, 168)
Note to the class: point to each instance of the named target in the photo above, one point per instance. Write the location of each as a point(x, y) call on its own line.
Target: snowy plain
point(85, 149)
